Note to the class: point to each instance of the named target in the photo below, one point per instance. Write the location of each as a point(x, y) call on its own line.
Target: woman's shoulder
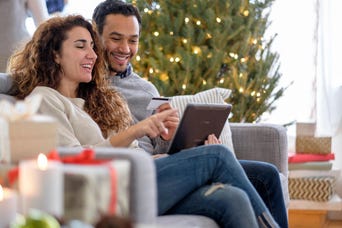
point(49, 95)
point(44, 90)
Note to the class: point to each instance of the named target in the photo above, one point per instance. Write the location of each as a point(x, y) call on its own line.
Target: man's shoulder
point(134, 81)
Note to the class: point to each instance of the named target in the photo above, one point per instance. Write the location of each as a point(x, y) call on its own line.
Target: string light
point(241, 90)
point(198, 22)
point(222, 81)
point(209, 36)
point(243, 60)
point(171, 33)
point(186, 20)
point(183, 86)
point(177, 59)
point(233, 55)
point(218, 20)
point(164, 77)
point(196, 50)
point(204, 82)
point(245, 13)
point(172, 59)
point(138, 58)
point(253, 93)
point(151, 70)
point(156, 33)
point(185, 41)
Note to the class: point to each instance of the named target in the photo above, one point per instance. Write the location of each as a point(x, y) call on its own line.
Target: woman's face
point(76, 58)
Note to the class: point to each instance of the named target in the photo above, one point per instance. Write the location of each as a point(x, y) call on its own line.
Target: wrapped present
point(305, 128)
point(312, 185)
point(25, 134)
point(312, 188)
point(313, 145)
point(93, 188)
point(319, 165)
point(299, 158)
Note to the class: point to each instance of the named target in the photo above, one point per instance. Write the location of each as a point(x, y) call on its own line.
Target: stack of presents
point(23, 136)
point(311, 176)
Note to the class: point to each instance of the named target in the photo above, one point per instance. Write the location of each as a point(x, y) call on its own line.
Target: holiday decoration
point(190, 46)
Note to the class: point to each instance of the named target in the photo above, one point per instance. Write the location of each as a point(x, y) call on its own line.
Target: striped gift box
point(315, 188)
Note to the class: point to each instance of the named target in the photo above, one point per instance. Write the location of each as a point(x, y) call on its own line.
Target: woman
point(64, 63)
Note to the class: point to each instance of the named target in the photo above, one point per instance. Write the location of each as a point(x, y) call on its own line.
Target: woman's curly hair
point(35, 65)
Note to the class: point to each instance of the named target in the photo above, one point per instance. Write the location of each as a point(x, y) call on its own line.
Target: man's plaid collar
point(125, 73)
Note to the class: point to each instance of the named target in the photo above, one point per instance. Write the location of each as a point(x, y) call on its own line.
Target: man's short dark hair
point(113, 7)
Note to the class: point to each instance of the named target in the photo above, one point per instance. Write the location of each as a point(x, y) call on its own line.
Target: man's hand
point(171, 122)
point(212, 139)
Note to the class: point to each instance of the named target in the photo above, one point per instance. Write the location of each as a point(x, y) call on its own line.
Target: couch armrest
point(143, 193)
point(262, 142)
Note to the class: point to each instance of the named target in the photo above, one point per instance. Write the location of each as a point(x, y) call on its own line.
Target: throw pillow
point(215, 96)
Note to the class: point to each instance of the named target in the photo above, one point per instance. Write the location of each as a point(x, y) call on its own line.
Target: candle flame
point(42, 161)
point(1, 193)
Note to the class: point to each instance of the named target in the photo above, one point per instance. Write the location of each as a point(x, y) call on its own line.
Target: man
point(118, 25)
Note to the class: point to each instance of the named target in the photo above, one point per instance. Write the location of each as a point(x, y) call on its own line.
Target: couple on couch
point(63, 62)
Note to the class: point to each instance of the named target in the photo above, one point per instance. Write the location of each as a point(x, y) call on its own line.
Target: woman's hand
point(212, 139)
point(171, 122)
point(153, 126)
point(161, 123)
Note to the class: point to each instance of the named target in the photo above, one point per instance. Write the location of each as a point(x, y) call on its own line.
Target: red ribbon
point(85, 157)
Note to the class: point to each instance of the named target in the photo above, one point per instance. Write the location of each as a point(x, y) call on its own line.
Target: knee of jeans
point(271, 169)
point(227, 192)
point(223, 150)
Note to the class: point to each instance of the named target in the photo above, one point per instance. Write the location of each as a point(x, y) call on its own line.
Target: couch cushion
point(216, 96)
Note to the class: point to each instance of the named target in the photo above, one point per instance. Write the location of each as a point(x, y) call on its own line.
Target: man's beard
point(112, 70)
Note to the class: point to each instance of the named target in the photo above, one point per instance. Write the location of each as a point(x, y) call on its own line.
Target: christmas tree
point(190, 46)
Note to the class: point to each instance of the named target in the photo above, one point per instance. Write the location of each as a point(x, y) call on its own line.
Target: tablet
point(199, 121)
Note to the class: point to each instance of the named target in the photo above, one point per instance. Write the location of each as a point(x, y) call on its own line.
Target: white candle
point(8, 206)
point(41, 186)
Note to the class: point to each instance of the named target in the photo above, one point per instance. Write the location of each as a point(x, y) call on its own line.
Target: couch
point(263, 142)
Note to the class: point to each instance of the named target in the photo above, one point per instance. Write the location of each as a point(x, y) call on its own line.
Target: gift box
point(312, 188)
point(305, 128)
point(91, 191)
point(313, 145)
point(312, 185)
point(26, 138)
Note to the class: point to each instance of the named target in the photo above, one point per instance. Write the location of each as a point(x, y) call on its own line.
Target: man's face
point(120, 37)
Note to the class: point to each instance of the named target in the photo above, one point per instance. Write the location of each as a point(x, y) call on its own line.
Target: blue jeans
point(208, 180)
point(265, 179)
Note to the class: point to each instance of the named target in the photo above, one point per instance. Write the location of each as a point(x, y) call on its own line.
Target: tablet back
point(199, 121)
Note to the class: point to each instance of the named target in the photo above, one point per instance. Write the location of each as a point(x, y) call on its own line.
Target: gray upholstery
point(5, 83)
point(264, 142)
